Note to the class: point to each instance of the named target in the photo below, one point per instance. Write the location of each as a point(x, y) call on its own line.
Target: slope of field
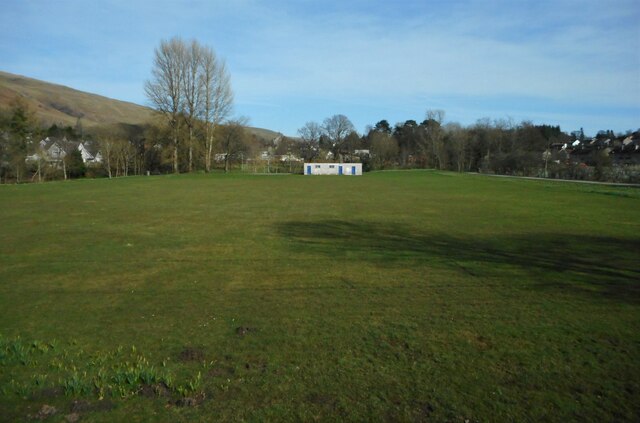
point(396, 296)
point(59, 104)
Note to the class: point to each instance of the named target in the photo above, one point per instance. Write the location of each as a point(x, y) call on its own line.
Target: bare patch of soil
point(191, 354)
point(221, 371)
point(426, 409)
point(82, 406)
point(155, 390)
point(256, 366)
point(243, 331)
point(192, 401)
point(321, 400)
point(45, 412)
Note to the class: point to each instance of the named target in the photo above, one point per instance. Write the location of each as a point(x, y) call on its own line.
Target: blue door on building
point(353, 170)
point(339, 170)
point(308, 170)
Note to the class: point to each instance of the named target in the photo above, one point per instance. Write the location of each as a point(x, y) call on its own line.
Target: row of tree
point(498, 146)
point(490, 146)
point(119, 150)
point(429, 144)
point(190, 87)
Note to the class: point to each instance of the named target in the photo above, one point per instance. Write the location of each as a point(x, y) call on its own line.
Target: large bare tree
point(165, 90)
point(459, 139)
point(336, 128)
point(310, 132)
point(190, 84)
point(310, 135)
point(217, 98)
point(433, 137)
point(193, 92)
point(111, 141)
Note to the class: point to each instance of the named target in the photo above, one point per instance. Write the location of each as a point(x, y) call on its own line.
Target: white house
point(333, 169)
point(54, 150)
point(51, 150)
point(290, 158)
point(84, 152)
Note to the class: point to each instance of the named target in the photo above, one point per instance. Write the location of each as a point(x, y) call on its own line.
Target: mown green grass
point(396, 296)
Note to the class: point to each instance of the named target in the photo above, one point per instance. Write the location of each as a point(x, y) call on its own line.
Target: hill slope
point(58, 104)
point(54, 103)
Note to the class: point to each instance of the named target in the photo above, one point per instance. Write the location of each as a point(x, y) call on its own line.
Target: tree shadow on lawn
point(596, 265)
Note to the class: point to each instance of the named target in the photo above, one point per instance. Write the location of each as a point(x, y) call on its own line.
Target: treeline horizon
point(497, 146)
point(125, 149)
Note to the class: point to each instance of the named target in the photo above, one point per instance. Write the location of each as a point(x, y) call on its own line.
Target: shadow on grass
point(598, 266)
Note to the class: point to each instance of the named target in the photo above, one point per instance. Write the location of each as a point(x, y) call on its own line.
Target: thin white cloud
point(329, 58)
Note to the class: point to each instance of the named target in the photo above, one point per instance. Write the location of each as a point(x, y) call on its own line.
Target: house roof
point(92, 147)
point(64, 144)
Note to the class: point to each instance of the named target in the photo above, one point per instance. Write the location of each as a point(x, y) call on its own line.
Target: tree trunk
point(190, 149)
point(209, 153)
point(175, 154)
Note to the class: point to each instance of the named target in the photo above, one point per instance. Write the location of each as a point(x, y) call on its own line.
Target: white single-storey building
point(333, 169)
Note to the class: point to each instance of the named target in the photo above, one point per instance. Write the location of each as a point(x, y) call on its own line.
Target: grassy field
point(396, 296)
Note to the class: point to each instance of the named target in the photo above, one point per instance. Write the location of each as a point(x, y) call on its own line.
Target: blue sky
point(563, 62)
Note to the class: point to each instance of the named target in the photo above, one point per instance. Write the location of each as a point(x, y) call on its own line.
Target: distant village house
point(54, 150)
